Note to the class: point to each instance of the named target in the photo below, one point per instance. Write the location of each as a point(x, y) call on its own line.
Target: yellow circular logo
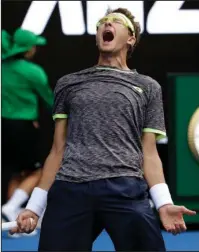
point(193, 134)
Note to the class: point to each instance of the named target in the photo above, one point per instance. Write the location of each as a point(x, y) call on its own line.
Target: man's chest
point(105, 95)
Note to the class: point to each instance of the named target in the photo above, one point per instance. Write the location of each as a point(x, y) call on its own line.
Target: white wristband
point(160, 195)
point(38, 200)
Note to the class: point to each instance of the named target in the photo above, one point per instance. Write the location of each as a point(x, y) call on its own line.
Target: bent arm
point(46, 94)
point(41, 85)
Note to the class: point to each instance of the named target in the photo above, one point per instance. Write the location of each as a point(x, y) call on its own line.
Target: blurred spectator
point(22, 82)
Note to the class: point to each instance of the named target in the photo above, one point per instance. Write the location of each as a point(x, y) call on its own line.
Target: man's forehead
point(118, 16)
point(113, 14)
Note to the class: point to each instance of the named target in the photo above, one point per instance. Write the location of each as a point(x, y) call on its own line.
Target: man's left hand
point(171, 217)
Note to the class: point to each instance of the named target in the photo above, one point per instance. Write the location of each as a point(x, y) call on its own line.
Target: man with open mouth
point(104, 159)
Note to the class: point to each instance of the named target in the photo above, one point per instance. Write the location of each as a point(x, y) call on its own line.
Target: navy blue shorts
point(76, 213)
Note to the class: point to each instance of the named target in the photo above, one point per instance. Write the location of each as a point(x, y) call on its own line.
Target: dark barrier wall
point(183, 166)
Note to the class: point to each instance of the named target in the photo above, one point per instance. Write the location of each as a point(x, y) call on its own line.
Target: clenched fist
point(26, 221)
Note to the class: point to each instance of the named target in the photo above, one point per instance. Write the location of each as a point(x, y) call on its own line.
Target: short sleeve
point(59, 106)
point(154, 118)
point(38, 80)
point(41, 77)
point(35, 73)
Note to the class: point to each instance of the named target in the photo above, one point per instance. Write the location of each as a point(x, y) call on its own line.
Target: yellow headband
point(121, 16)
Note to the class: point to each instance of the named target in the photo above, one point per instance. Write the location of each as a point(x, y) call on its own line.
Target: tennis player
point(104, 157)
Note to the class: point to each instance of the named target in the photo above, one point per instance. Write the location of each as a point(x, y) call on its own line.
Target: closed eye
point(117, 20)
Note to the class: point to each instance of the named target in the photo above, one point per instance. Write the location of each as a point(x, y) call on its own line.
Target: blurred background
point(168, 52)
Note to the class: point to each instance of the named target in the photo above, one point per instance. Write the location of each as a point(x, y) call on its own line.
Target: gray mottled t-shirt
point(107, 109)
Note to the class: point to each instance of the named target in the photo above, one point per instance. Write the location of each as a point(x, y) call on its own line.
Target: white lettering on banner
point(166, 17)
point(38, 15)
point(97, 9)
point(71, 15)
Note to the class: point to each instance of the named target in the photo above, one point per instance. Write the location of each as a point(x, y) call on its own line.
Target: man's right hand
point(26, 221)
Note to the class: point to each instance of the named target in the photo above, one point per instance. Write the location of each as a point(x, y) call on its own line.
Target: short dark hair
point(136, 25)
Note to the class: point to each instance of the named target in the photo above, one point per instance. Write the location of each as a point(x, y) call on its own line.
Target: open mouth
point(108, 36)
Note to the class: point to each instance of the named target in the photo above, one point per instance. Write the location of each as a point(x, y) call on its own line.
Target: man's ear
point(131, 40)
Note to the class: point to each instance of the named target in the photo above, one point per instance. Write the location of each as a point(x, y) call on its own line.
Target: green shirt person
point(22, 80)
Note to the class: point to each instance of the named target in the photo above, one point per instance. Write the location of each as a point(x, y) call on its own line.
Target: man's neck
point(112, 61)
